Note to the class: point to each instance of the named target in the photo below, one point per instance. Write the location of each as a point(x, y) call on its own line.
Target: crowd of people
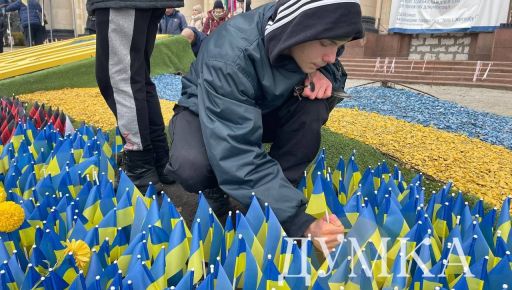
point(174, 22)
point(200, 24)
point(32, 20)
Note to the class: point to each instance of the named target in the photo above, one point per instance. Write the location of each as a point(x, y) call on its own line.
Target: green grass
point(171, 55)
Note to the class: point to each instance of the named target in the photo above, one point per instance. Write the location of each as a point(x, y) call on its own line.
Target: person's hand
point(322, 86)
point(329, 231)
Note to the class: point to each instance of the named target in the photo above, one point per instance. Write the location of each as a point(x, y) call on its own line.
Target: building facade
point(68, 17)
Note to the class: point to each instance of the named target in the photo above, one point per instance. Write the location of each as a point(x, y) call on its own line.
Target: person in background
point(197, 18)
point(173, 22)
point(31, 16)
point(125, 39)
point(3, 4)
point(240, 7)
point(215, 18)
point(90, 25)
point(194, 37)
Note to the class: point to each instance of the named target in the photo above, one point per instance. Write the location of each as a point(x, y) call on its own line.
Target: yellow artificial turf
point(474, 166)
point(86, 105)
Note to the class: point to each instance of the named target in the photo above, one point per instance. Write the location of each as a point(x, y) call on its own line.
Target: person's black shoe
point(139, 167)
point(161, 159)
point(164, 178)
point(219, 201)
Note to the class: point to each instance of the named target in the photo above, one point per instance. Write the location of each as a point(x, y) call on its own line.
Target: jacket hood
point(222, 17)
point(297, 21)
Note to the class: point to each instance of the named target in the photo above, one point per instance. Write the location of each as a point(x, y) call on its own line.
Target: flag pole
point(204, 269)
point(326, 211)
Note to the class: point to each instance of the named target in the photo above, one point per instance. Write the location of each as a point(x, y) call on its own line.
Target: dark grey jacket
point(95, 4)
point(230, 85)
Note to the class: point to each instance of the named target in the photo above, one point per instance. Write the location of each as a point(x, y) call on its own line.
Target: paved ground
point(8, 48)
point(487, 100)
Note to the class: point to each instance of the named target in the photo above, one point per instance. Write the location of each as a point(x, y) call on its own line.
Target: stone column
point(60, 16)
point(378, 14)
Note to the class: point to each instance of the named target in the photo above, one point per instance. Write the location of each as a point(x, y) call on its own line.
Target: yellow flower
point(11, 216)
point(81, 252)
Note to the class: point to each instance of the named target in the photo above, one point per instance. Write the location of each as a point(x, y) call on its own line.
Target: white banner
point(441, 16)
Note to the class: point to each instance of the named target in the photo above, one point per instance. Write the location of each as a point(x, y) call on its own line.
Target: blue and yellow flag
point(317, 205)
point(54, 281)
point(117, 145)
point(196, 259)
point(67, 269)
point(139, 217)
point(352, 177)
point(177, 254)
point(318, 168)
point(187, 283)
point(274, 234)
point(119, 245)
point(243, 229)
point(32, 277)
point(158, 271)
point(125, 258)
point(157, 239)
point(503, 224)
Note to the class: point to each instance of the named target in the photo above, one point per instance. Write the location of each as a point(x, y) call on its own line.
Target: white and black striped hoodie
point(298, 21)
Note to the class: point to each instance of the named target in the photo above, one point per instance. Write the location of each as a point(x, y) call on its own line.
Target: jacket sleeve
point(232, 131)
point(13, 6)
point(183, 22)
point(336, 72)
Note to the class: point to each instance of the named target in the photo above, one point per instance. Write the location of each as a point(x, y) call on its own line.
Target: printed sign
point(442, 16)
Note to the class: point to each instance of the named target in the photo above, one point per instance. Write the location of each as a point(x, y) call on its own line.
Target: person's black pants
point(1, 36)
point(294, 129)
point(37, 34)
point(125, 41)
